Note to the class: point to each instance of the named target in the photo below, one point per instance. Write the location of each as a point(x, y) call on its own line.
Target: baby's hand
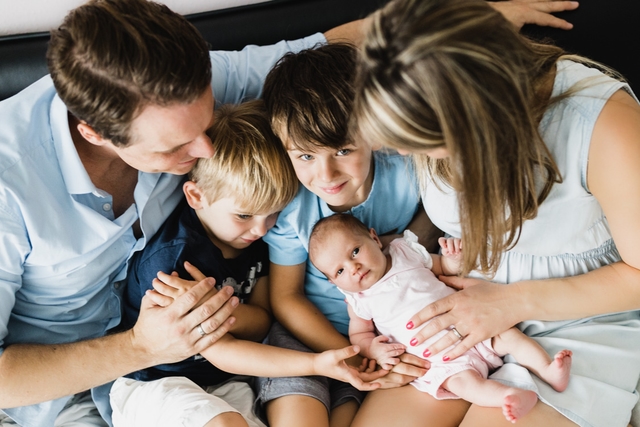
point(451, 247)
point(384, 353)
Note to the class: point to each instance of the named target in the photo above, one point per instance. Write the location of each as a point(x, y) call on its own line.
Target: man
point(91, 163)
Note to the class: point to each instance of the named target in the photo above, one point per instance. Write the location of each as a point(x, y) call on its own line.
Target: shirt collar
point(73, 171)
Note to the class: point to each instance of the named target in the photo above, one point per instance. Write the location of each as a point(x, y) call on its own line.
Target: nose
point(260, 227)
point(326, 171)
point(201, 148)
point(355, 268)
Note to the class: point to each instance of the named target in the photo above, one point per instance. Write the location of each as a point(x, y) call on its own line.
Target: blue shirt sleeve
point(239, 75)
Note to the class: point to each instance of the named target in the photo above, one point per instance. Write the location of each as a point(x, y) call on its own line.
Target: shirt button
point(116, 285)
point(106, 207)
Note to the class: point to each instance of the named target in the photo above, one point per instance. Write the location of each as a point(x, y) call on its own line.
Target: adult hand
point(538, 12)
point(332, 364)
point(480, 310)
point(186, 327)
point(409, 368)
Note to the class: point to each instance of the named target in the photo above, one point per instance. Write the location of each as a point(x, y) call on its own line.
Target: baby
point(383, 289)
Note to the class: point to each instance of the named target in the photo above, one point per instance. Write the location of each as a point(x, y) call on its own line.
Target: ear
point(87, 132)
point(194, 196)
point(375, 237)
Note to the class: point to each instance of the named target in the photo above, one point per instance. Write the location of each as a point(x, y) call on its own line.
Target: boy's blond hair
point(250, 163)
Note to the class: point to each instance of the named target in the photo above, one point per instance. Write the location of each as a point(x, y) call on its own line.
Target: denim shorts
point(330, 392)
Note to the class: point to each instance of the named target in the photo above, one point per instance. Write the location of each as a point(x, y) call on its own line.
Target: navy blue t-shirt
point(183, 238)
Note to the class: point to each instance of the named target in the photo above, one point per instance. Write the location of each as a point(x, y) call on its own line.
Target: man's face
point(170, 138)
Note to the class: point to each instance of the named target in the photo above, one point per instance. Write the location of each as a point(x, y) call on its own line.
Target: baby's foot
point(557, 373)
point(518, 404)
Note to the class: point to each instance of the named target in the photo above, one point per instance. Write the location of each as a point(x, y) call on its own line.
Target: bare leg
point(555, 371)
point(470, 386)
point(540, 415)
point(408, 407)
point(342, 416)
point(227, 419)
point(297, 410)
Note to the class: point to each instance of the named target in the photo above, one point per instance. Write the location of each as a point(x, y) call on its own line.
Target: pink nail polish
point(426, 353)
point(445, 358)
point(413, 341)
point(410, 325)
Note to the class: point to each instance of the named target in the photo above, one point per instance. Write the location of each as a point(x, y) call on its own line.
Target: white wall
point(29, 16)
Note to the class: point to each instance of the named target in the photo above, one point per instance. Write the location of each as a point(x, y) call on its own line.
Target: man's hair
point(250, 164)
point(337, 222)
point(309, 96)
point(111, 58)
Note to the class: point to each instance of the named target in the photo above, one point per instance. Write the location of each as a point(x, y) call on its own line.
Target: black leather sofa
point(605, 31)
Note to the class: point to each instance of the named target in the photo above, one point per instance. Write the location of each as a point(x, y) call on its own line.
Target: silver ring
point(200, 330)
point(458, 334)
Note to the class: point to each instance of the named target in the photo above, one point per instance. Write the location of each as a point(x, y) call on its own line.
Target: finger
point(547, 20)
point(187, 301)
point(212, 314)
point(447, 340)
point(554, 6)
point(408, 370)
point(454, 282)
point(169, 279)
point(414, 360)
point(457, 243)
point(206, 341)
point(432, 310)
point(435, 326)
point(457, 351)
point(151, 298)
point(163, 289)
point(193, 271)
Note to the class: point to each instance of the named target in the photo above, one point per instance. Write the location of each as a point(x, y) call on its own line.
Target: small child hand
point(385, 353)
point(451, 247)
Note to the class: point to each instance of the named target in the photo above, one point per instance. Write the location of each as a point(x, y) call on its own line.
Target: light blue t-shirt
point(391, 205)
point(63, 255)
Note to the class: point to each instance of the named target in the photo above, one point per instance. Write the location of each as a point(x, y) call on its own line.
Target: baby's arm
point(376, 347)
point(448, 264)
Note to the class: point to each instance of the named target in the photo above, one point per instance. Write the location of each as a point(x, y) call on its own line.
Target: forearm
point(351, 32)
point(33, 373)
point(608, 289)
point(252, 322)
point(305, 321)
point(363, 340)
point(243, 357)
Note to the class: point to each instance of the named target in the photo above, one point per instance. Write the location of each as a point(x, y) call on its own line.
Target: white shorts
point(178, 402)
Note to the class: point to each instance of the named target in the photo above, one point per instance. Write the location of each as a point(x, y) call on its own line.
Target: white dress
point(570, 236)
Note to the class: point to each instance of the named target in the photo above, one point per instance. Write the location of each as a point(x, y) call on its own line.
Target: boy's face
point(352, 261)
point(342, 178)
point(170, 138)
point(230, 227)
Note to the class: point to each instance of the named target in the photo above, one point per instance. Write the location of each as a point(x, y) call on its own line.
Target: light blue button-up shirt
point(63, 255)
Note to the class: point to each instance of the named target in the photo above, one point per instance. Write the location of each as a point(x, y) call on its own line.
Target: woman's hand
point(480, 310)
point(538, 12)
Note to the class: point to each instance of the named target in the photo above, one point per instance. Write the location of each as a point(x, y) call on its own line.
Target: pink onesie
point(406, 289)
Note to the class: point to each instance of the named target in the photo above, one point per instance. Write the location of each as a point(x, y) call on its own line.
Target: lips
point(333, 190)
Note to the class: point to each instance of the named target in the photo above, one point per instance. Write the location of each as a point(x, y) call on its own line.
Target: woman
point(502, 131)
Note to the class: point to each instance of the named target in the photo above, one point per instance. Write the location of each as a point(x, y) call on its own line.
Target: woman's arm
point(483, 309)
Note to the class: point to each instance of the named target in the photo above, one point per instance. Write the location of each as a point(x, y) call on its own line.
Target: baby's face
point(352, 261)
point(339, 177)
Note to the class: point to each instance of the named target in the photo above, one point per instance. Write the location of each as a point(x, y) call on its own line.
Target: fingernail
point(413, 341)
point(410, 325)
point(234, 302)
point(426, 353)
point(445, 358)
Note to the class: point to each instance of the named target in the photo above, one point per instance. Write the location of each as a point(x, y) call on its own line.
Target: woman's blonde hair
point(250, 163)
point(456, 74)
